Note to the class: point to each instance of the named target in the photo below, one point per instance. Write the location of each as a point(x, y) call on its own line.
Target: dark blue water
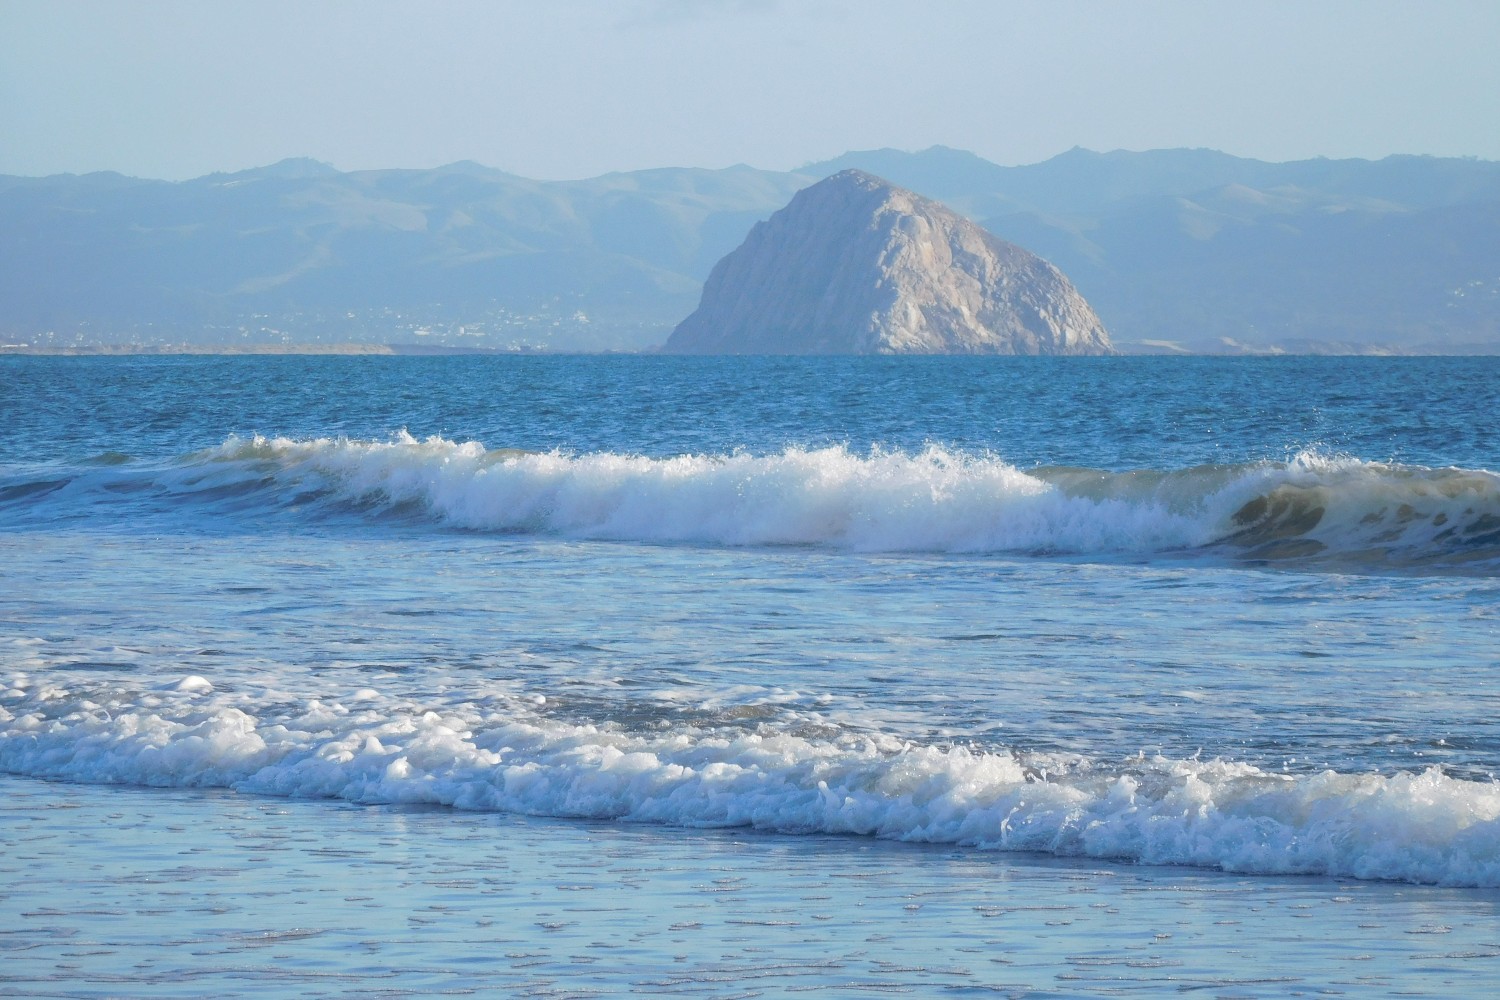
point(1104, 413)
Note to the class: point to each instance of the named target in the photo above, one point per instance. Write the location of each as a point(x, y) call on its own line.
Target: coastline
point(1145, 348)
point(237, 350)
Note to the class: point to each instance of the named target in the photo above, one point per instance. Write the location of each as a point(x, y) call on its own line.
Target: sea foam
point(934, 500)
point(502, 752)
point(1312, 506)
point(1311, 509)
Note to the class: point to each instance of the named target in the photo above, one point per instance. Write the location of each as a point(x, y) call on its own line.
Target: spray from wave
point(1311, 510)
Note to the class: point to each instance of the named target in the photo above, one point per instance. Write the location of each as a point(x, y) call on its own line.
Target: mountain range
point(1175, 249)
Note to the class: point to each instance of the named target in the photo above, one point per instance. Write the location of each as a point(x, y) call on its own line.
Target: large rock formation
point(856, 265)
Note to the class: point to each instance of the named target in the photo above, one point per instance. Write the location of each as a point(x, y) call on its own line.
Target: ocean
point(733, 677)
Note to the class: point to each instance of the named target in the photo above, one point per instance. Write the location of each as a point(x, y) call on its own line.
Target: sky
point(563, 89)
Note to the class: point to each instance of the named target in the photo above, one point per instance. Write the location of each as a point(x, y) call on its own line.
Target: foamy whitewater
point(932, 501)
point(1239, 615)
point(503, 754)
point(1311, 507)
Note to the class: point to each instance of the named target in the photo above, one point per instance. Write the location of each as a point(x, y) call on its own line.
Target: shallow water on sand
point(180, 894)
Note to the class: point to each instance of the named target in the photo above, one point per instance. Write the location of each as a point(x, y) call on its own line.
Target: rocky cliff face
point(855, 265)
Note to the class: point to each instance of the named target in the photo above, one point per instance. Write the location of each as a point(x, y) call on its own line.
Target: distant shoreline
point(1142, 349)
point(234, 350)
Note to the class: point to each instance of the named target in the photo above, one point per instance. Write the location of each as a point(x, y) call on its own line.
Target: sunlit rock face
point(856, 265)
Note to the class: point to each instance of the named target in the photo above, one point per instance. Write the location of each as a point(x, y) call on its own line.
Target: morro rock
point(856, 265)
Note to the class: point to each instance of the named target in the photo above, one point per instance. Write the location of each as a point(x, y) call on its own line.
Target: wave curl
point(1312, 510)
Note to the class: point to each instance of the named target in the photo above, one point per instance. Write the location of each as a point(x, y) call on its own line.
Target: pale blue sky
point(575, 88)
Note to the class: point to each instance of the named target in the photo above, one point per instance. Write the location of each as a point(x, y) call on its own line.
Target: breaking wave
point(503, 752)
point(1311, 510)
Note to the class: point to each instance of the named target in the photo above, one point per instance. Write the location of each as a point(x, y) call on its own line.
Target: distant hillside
point(1175, 249)
point(1206, 251)
point(299, 250)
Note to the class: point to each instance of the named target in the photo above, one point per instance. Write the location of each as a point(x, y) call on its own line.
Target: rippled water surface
point(967, 629)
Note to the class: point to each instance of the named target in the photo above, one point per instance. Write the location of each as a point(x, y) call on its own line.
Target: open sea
point(738, 677)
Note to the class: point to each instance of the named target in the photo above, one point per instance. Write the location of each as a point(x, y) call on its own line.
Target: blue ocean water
point(1234, 615)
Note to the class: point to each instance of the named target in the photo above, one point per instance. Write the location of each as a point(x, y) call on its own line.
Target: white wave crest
point(932, 501)
point(1313, 510)
point(500, 753)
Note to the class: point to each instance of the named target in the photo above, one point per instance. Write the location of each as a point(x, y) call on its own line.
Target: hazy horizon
point(803, 165)
point(176, 90)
